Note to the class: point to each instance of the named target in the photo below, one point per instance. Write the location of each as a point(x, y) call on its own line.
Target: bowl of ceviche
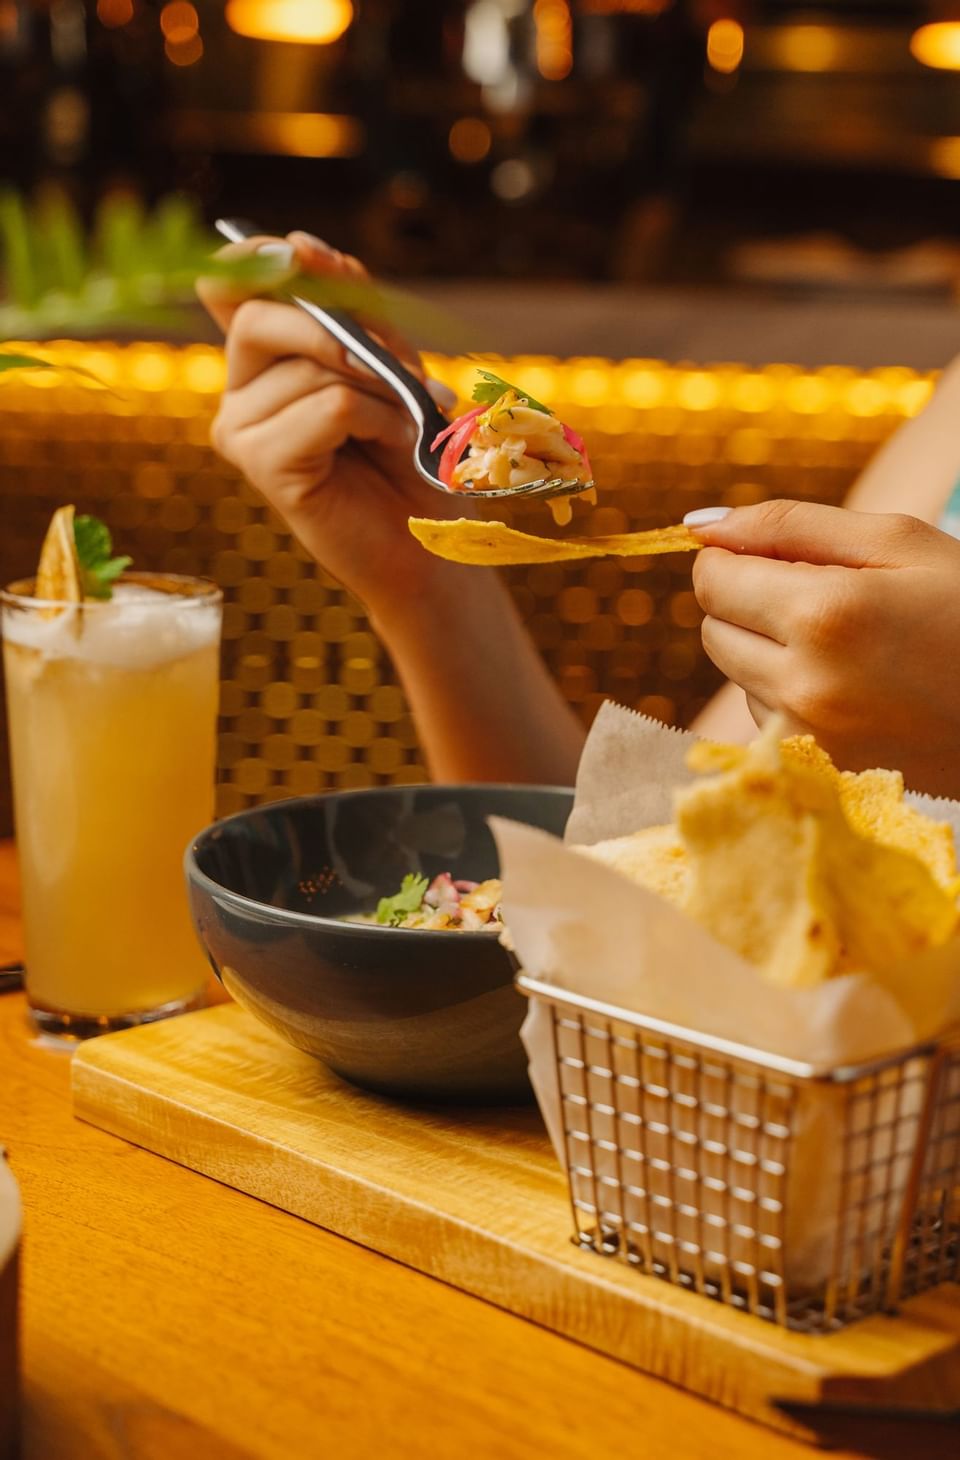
point(363, 926)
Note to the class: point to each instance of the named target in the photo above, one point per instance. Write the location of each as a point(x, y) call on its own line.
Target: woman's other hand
point(848, 623)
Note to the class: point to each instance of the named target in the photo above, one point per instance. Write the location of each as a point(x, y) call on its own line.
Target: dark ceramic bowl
point(402, 1011)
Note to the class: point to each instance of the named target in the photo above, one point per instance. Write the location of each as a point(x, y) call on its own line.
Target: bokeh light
point(184, 53)
point(310, 22)
point(725, 46)
point(806, 47)
point(513, 179)
point(470, 139)
point(937, 45)
point(114, 13)
point(553, 26)
point(179, 22)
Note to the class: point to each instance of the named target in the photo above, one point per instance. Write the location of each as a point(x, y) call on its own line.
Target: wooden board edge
point(10, 1229)
point(524, 1283)
point(928, 1324)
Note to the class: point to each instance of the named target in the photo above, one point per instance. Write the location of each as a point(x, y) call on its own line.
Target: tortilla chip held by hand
point(493, 544)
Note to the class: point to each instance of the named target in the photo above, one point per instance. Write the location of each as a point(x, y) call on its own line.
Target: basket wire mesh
point(807, 1196)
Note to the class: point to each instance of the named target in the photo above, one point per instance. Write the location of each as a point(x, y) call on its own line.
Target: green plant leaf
point(140, 270)
point(64, 246)
point(98, 566)
point(10, 361)
point(175, 226)
point(121, 242)
point(19, 257)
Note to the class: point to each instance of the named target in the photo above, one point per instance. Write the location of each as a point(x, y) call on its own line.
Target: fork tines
point(545, 487)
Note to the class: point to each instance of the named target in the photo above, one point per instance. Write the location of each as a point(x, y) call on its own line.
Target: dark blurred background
point(721, 237)
point(679, 141)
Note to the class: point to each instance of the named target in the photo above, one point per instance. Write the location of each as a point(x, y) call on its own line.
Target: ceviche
point(510, 439)
point(444, 903)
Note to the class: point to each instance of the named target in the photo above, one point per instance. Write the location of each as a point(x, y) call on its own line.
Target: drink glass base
point(71, 1028)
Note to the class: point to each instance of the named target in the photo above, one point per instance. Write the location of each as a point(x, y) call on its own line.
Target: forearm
point(917, 469)
point(726, 717)
point(484, 703)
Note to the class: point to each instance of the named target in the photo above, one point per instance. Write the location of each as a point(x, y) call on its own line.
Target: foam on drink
point(138, 628)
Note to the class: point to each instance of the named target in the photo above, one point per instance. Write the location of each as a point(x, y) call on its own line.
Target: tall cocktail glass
point(112, 714)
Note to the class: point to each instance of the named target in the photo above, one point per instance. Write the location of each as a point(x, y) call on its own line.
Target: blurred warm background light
point(469, 139)
point(184, 53)
point(725, 46)
point(623, 7)
point(554, 32)
point(311, 22)
point(938, 45)
point(179, 21)
point(807, 47)
point(114, 13)
point(180, 24)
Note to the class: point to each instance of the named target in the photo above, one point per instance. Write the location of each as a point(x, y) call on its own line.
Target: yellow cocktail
point(112, 710)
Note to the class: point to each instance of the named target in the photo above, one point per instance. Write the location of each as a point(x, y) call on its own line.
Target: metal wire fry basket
point(808, 1196)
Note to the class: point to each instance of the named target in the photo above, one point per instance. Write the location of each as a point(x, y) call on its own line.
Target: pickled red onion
point(456, 446)
point(574, 439)
point(469, 416)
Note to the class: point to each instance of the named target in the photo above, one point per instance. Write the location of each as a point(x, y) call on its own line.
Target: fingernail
point(705, 516)
point(445, 398)
point(312, 241)
point(282, 252)
point(353, 362)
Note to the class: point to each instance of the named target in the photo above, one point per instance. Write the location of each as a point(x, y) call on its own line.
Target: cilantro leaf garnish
point(393, 910)
point(490, 388)
point(98, 566)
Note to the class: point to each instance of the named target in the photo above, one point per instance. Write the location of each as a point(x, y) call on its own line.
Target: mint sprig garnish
point(490, 388)
point(393, 910)
point(98, 567)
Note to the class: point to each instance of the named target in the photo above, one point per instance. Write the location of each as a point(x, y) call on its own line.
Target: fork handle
point(411, 391)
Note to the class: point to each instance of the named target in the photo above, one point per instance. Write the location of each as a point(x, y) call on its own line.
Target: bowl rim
point(195, 874)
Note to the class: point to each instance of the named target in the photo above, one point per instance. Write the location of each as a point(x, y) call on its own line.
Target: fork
point(428, 418)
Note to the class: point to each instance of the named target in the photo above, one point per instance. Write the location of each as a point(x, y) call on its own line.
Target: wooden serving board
point(9, 1275)
point(477, 1199)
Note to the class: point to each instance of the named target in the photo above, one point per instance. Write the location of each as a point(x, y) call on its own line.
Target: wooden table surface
point(166, 1317)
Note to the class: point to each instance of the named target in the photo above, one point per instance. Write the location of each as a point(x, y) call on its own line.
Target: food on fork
point(494, 544)
point(805, 871)
point(510, 440)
